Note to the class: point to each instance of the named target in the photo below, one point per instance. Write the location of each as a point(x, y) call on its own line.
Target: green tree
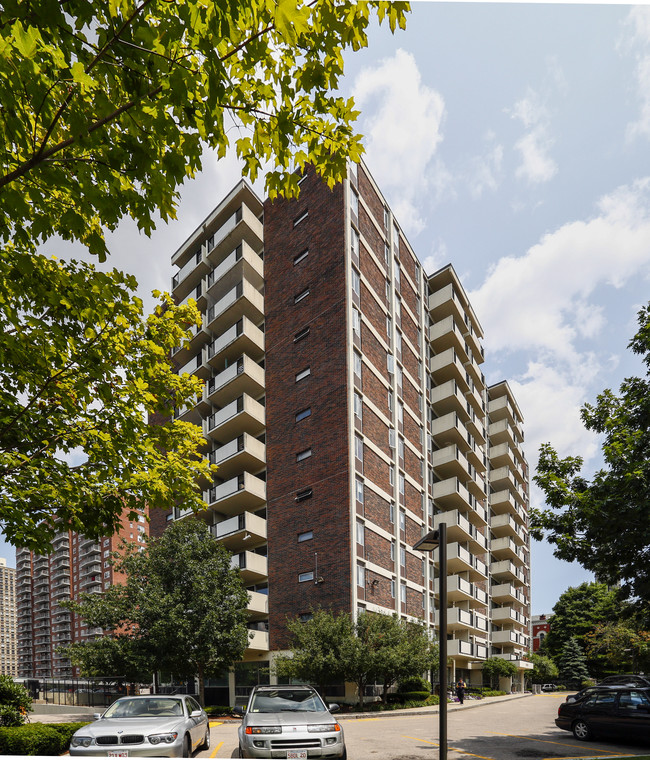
point(604, 523)
point(317, 649)
point(573, 664)
point(182, 609)
point(495, 668)
point(577, 613)
point(15, 702)
point(80, 367)
point(544, 669)
point(112, 105)
point(618, 647)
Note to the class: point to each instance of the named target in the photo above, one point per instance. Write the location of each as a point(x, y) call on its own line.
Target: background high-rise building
point(8, 653)
point(76, 565)
point(347, 410)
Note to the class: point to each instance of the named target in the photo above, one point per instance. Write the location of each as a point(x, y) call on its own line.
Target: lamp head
point(429, 542)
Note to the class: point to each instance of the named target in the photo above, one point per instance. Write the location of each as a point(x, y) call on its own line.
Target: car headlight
point(81, 741)
point(168, 738)
point(263, 729)
point(322, 727)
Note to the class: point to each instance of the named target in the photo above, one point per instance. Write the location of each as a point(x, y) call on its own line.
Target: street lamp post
point(438, 539)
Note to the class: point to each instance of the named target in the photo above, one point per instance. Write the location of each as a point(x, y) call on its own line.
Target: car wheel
point(187, 747)
point(344, 756)
point(206, 741)
point(581, 731)
point(241, 751)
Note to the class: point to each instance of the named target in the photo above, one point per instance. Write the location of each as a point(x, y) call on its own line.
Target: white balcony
point(517, 659)
point(258, 641)
point(460, 529)
point(241, 376)
point(460, 619)
point(507, 571)
point(239, 494)
point(258, 605)
point(244, 415)
point(448, 397)
point(241, 300)
point(450, 430)
point(241, 263)
point(444, 302)
point(504, 615)
point(506, 525)
point(244, 337)
point(506, 548)
point(448, 365)
point(509, 637)
point(253, 567)
point(446, 334)
point(244, 453)
point(506, 592)
point(502, 431)
point(240, 532)
point(504, 502)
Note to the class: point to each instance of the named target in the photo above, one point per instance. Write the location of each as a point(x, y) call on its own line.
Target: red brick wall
point(327, 513)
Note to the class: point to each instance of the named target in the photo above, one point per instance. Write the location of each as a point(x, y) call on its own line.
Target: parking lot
point(520, 729)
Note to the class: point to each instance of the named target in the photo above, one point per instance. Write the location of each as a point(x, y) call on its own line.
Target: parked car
point(616, 711)
point(149, 726)
point(584, 692)
point(625, 679)
point(549, 687)
point(291, 722)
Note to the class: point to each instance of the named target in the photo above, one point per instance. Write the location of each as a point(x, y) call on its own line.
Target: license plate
point(297, 754)
point(117, 753)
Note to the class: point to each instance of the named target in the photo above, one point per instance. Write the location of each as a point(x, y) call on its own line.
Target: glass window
point(402, 592)
point(300, 218)
point(402, 556)
point(356, 322)
point(354, 203)
point(306, 536)
point(301, 334)
point(398, 342)
point(303, 577)
point(392, 589)
point(300, 257)
point(303, 414)
point(305, 494)
point(358, 448)
point(359, 490)
point(392, 550)
point(300, 296)
point(357, 364)
point(356, 282)
point(397, 275)
point(361, 576)
point(402, 520)
point(302, 455)
point(391, 512)
point(354, 242)
point(358, 406)
point(401, 483)
point(391, 475)
point(361, 534)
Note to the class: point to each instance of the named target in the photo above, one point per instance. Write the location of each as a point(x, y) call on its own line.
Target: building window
point(305, 494)
point(306, 536)
point(400, 448)
point(390, 401)
point(303, 577)
point(354, 203)
point(356, 282)
point(303, 414)
point(386, 218)
point(402, 556)
point(391, 513)
point(398, 308)
point(302, 455)
point(392, 589)
point(361, 576)
point(357, 364)
point(386, 254)
point(300, 257)
point(303, 178)
point(400, 412)
point(390, 363)
point(300, 218)
point(301, 334)
point(359, 490)
point(402, 520)
point(303, 374)
point(358, 448)
point(361, 534)
point(391, 438)
point(356, 322)
point(392, 551)
point(358, 406)
point(402, 592)
point(301, 296)
point(391, 475)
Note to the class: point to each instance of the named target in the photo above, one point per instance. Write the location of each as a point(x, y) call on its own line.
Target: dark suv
point(624, 680)
point(621, 711)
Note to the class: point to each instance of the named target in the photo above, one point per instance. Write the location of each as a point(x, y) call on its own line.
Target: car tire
point(344, 756)
point(206, 742)
point(187, 746)
point(241, 751)
point(581, 731)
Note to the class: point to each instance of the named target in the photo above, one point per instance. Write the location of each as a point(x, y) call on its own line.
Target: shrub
point(414, 683)
point(66, 730)
point(408, 696)
point(35, 739)
point(493, 693)
point(15, 702)
point(218, 710)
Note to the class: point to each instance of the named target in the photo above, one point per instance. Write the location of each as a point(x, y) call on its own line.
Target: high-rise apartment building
point(76, 565)
point(8, 656)
point(346, 407)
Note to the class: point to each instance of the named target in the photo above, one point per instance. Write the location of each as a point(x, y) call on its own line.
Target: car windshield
point(287, 700)
point(156, 707)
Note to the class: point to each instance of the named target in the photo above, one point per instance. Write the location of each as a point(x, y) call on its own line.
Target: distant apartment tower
point(348, 413)
point(76, 565)
point(8, 655)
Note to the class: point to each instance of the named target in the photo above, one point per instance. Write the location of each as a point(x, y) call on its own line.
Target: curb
point(434, 710)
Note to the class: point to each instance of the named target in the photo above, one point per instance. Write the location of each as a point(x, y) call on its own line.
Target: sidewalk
point(434, 709)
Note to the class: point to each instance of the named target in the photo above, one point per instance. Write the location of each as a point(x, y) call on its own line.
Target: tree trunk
point(201, 685)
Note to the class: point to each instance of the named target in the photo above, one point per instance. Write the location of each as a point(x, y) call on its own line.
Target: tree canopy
point(113, 103)
point(572, 664)
point(181, 609)
point(496, 667)
point(375, 648)
point(108, 109)
point(604, 523)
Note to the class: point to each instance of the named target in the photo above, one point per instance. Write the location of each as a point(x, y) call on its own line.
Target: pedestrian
point(460, 690)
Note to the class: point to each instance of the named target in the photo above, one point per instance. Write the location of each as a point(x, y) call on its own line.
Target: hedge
point(37, 738)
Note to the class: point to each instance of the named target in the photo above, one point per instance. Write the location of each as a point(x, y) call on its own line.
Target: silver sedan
point(147, 726)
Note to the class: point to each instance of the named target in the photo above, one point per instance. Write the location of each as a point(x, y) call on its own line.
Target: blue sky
point(511, 140)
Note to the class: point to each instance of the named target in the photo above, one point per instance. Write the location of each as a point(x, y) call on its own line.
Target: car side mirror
point(196, 713)
point(334, 707)
point(238, 711)
point(97, 716)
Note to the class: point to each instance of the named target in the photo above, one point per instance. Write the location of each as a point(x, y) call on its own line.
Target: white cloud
point(540, 301)
point(534, 146)
point(402, 121)
point(485, 171)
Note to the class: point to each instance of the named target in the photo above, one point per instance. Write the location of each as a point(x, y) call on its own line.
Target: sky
point(512, 140)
